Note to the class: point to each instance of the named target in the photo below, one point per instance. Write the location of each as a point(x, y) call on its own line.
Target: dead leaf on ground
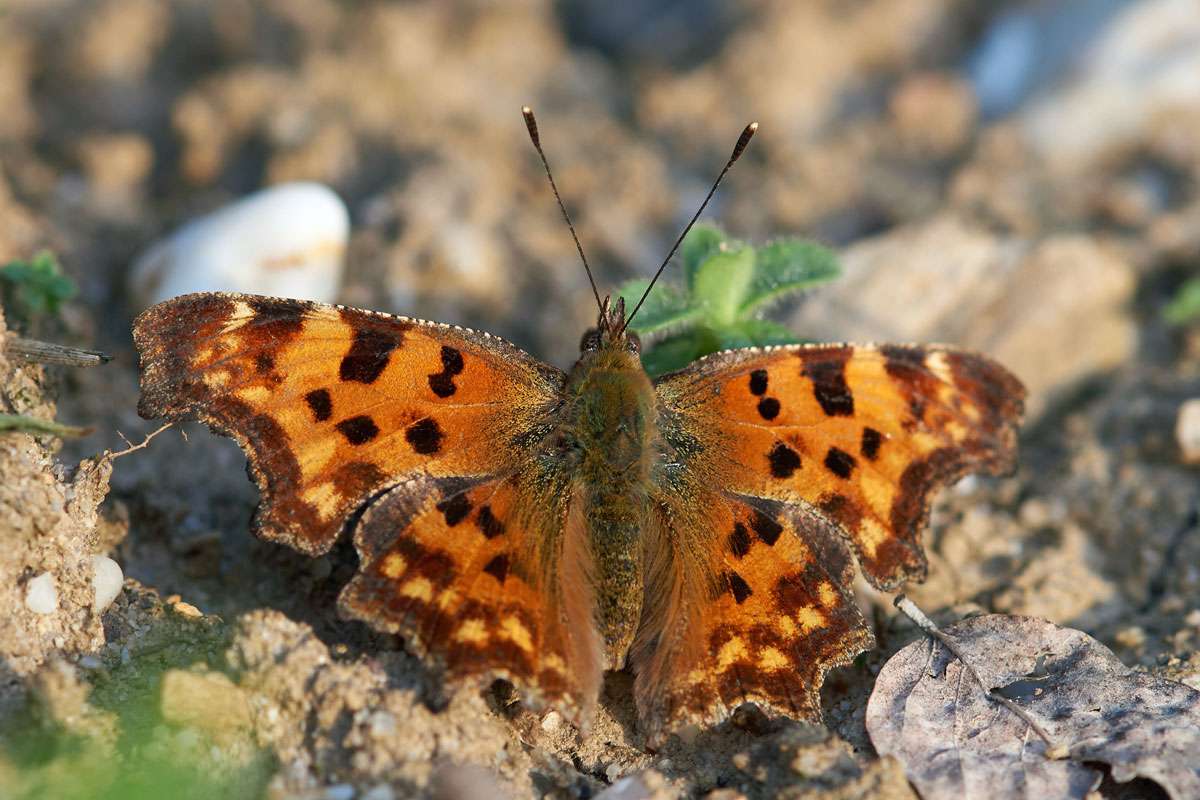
point(957, 743)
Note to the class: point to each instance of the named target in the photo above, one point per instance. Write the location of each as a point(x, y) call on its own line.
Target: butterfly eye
point(633, 342)
point(590, 340)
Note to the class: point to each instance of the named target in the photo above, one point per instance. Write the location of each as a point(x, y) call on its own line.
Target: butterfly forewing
point(333, 404)
point(861, 435)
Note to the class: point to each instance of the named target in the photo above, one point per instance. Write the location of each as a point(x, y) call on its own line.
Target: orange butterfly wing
point(333, 404)
point(829, 448)
point(339, 410)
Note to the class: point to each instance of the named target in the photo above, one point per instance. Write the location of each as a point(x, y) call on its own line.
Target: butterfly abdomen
point(614, 430)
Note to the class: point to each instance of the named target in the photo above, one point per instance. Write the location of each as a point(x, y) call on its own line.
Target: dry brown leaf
point(955, 742)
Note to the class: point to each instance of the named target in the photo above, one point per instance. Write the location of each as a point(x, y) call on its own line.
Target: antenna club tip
point(752, 127)
point(527, 111)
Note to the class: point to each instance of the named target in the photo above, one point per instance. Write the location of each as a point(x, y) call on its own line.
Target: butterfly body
point(612, 427)
point(519, 522)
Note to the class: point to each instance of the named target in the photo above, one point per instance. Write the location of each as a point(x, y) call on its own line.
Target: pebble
point(383, 724)
point(41, 594)
point(186, 610)
point(340, 791)
point(107, 581)
point(551, 721)
point(1187, 431)
point(285, 241)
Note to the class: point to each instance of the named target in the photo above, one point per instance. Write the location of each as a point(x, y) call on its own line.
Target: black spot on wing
point(276, 320)
point(358, 430)
point(455, 508)
point(839, 462)
point(739, 540)
point(370, 351)
point(765, 528)
point(498, 567)
point(320, 403)
point(768, 408)
point(784, 460)
point(871, 440)
point(827, 372)
point(489, 526)
point(264, 362)
point(442, 383)
point(738, 587)
point(424, 436)
point(758, 382)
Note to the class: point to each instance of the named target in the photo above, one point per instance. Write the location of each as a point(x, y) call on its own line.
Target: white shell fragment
point(107, 580)
point(1187, 431)
point(285, 241)
point(41, 594)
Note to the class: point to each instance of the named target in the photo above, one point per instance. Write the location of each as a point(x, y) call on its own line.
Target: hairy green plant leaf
point(676, 352)
point(754, 333)
point(789, 266)
point(667, 306)
point(720, 285)
point(725, 282)
point(702, 242)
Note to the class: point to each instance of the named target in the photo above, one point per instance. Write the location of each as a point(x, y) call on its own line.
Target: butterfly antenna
point(531, 125)
point(738, 149)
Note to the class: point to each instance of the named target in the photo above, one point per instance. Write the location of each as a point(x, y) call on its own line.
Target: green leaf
point(666, 306)
point(34, 426)
point(32, 288)
point(721, 283)
point(1184, 308)
point(676, 352)
point(755, 333)
point(698, 246)
point(789, 266)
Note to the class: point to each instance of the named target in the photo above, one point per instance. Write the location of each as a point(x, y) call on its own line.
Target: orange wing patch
point(861, 436)
point(770, 615)
point(457, 568)
point(332, 404)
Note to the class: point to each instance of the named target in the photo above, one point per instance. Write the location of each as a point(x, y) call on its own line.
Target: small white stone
point(285, 241)
point(107, 580)
point(41, 594)
point(551, 721)
point(383, 724)
point(1187, 431)
point(340, 791)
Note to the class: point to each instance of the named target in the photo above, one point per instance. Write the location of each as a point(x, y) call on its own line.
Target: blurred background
point(1021, 178)
point(962, 154)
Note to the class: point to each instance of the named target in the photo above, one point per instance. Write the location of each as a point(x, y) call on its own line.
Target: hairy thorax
point(612, 423)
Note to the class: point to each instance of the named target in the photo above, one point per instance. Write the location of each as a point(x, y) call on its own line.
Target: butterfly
point(515, 521)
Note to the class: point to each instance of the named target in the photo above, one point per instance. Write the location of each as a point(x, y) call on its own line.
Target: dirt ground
point(1043, 212)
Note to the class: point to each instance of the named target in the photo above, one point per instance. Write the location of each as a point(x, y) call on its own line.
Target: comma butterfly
point(515, 521)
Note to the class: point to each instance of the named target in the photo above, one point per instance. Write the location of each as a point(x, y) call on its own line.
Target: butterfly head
point(610, 332)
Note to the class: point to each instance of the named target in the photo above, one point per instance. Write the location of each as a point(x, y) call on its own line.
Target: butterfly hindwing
point(333, 405)
point(862, 435)
point(761, 620)
point(472, 574)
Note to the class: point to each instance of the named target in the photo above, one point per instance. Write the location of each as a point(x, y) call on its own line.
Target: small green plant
point(727, 285)
point(33, 288)
point(1184, 307)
